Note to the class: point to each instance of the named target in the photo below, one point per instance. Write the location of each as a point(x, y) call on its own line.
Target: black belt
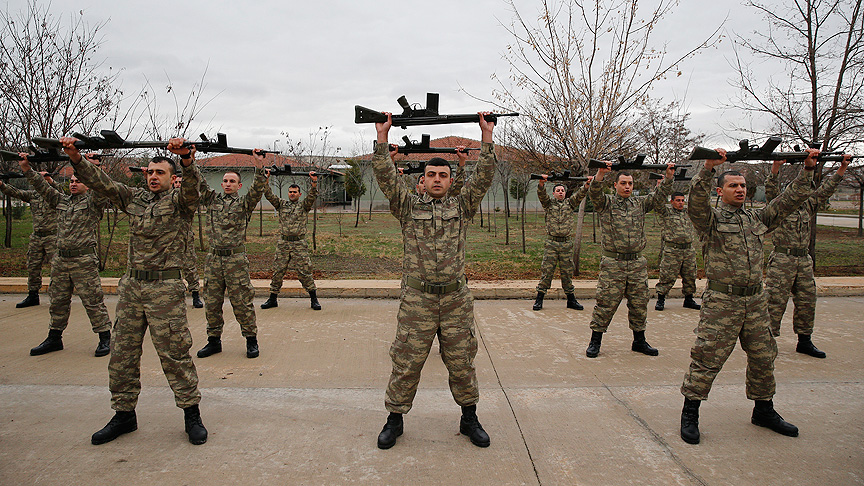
point(735, 289)
point(679, 246)
point(292, 238)
point(228, 251)
point(154, 274)
point(437, 289)
point(622, 256)
point(799, 252)
point(559, 239)
point(44, 233)
point(76, 253)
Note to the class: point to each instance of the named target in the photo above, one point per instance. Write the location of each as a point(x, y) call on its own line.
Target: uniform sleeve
point(311, 196)
point(190, 189)
point(98, 181)
point(823, 192)
point(254, 195)
point(699, 207)
point(475, 189)
point(658, 197)
point(795, 195)
point(772, 187)
point(543, 196)
point(595, 192)
point(577, 197)
point(458, 180)
point(207, 194)
point(49, 194)
point(274, 200)
point(385, 173)
point(13, 191)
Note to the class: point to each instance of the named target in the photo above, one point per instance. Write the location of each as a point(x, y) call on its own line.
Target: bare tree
point(662, 133)
point(855, 179)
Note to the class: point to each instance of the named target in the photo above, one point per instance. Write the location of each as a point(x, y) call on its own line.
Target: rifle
point(765, 152)
point(42, 155)
point(285, 170)
point(412, 116)
point(11, 175)
point(680, 175)
point(412, 169)
point(422, 147)
point(558, 176)
point(623, 164)
point(110, 139)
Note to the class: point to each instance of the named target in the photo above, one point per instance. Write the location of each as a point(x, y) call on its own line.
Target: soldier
point(151, 292)
point(623, 269)
point(434, 292)
point(292, 248)
point(734, 308)
point(678, 255)
point(43, 240)
point(790, 268)
point(190, 270)
point(227, 268)
point(558, 250)
point(75, 266)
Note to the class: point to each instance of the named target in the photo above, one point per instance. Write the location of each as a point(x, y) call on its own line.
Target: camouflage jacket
point(732, 236)
point(675, 225)
point(622, 219)
point(794, 231)
point(559, 214)
point(78, 215)
point(228, 215)
point(157, 221)
point(44, 216)
point(434, 230)
point(292, 215)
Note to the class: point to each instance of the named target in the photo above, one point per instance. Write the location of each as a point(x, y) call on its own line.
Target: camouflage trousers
point(787, 274)
point(81, 275)
point(421, 316)
point(296, 255)
point(674, 262)
point(40, 250)
point(229, 274)
point(619, 279)
point(557, 254)
point(190, 271)
point(724, 320)
point(161, 307)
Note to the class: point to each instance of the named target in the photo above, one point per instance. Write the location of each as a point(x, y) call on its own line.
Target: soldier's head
point(177, 181)
point(420, 189)
point(293, 193)
point(436, 177)
point(678, 200)
point(161, 173)
point(231, 182)
point(623, 184)
point(75, 186)
point(559, 191)
point(732, 188)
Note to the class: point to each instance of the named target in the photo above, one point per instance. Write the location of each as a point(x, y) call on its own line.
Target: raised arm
point(190, 187)
point(660, 194)
point(312, 195)
point(13, 191)
point(49, 194)
point(273, 198)
point(459, 177)
point(578, 195)
point(481, 180)
point(595, 189)
point(793, 197)
point(542, 195)
point(772, 183)
point(828, 186)
point(257, 189)
point(385, 172)
point(94, 178)
point(699, 206)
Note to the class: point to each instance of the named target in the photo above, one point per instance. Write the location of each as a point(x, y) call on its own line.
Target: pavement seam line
point(657, 438)
point(509, 404)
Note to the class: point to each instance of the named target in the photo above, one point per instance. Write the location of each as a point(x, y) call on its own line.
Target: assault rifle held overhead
point(285, 170)
point(636, 164)
point(415, 115)
point(109, 139)
point(42, 155)
point(410, 168)
point(746, 151)
point(11, 175)
point(680, 175)
point(558, 177)
point(422, 147)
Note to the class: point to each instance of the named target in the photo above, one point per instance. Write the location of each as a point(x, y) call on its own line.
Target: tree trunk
point(860, 209)
point(200, 230)
point(7, 241)
point(506, 218)
point(524, 248)
point(817, 176)
point(357, 221)
point(315, 227)
point(577, 248)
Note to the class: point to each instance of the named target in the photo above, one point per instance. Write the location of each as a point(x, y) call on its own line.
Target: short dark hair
point(556, 187)
point(722, 179)
point(677, 194)
point(437, 162)
point(239, 177)
point(170, 162)
point(294, 186)
point(622, 173)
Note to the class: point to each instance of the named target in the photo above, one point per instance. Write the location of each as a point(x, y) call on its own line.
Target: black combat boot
point(572, 303)
point(640, 345)
point(470, 426)
point(661, 302)
point(806, 346)
point(194, 427)
point(31, 299)
point(392, 429)
point(270, 302)
point(313, 300)
point(54, 342)
point(689, 303)
point(251, 347)
point(764, 415)
point(594, 345)
point(104, 346)
point(538, 302)
point(690, 421)
point(213, 346)
point(196, 300)
point(121, 423)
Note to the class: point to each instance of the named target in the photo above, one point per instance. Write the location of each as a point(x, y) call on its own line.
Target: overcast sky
point(290, 66)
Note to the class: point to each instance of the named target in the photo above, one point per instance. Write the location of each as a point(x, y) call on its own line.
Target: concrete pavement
point(309, 409)
point(843, 220)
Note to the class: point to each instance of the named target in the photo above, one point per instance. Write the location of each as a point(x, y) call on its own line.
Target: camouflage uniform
point(43, 240)
point(227, 268)
point(151, 292)
point(558, 251)
point(623, 269)
point(790, 268)
point(678, 255)
point(75, 266)
point(732, 238)
point(190, 269)
point(434, 233)
point(292, 248)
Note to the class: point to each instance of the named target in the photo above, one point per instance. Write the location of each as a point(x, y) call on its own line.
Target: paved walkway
point(844, 220)
point(309, 409)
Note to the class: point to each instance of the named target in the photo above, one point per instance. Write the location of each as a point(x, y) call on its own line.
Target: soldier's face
point(734, 190)
point(678, 202)
point(177, 182)
point(437, 181)
point(159, 176)
point(231, 183)
point(293, 194)
point(559, 192)
point(624, 185)
point(75, 187)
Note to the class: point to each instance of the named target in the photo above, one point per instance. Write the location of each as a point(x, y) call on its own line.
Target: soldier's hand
point(267, 174)
point(543, 179)
point(175, 146)
point(70, 149)
point(775, 166)
point(670, 170)
point(461, 154)
point(846, 159)
point(313, 176)
point(93, 158)
point(588, 182)
point(258, 155)
point(383, 129)
point(394, 150)
point(603, 170)
point(486, 127)
point(400, 170)
point(812, 153)
point(711, 163)
point(24, 163)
